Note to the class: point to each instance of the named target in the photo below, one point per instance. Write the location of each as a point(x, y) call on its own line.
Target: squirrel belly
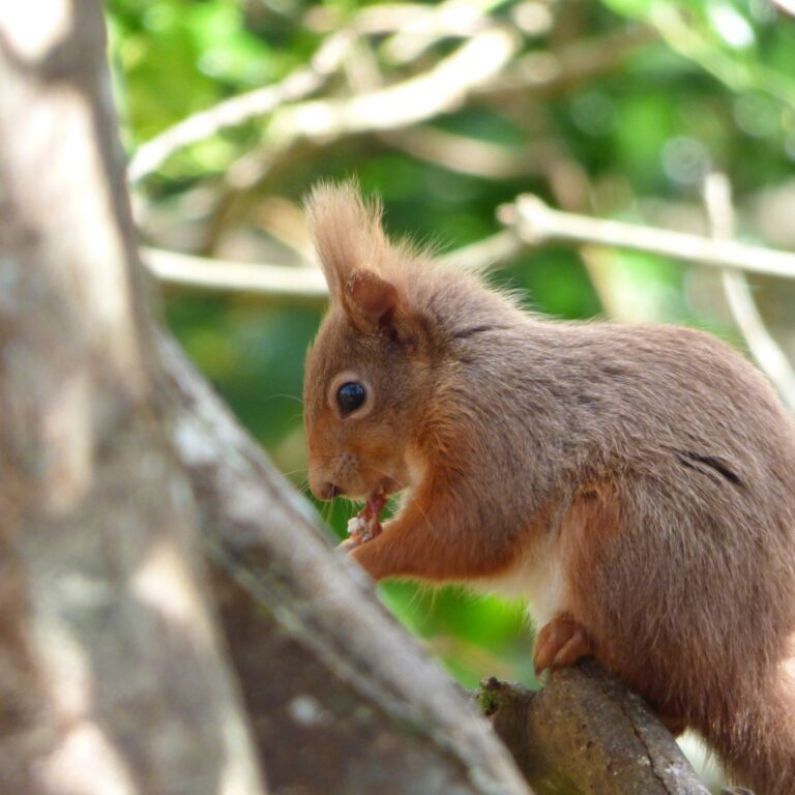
point(636, 484)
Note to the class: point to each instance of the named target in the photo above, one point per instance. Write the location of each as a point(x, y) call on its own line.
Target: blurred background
point(615, 109)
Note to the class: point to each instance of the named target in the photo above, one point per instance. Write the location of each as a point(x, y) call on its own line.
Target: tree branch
point(275, 281)
point(585, 733)
point(468, 155)
point(240, 109)
point(530, 222)
point(450, 18)
point(303, 284)
point(537, 223)
point(349, 697)
point(785, 7)
point(441, 89)
point(763, 347)
point(541, 73)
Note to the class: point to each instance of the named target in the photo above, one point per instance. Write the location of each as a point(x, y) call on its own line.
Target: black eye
point(350, 396)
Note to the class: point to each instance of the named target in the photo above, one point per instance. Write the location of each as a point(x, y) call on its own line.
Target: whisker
point(419, 594)
point(303, 486)
point(295, 472)
point(283, 395)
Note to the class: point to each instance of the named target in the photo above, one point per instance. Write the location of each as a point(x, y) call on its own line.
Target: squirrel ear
point(354, 254)
point(370, 301)
point(375, 305)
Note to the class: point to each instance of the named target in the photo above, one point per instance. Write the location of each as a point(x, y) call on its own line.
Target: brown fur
point(637, 481)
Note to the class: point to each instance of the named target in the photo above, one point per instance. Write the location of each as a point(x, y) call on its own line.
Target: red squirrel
point(635, 483)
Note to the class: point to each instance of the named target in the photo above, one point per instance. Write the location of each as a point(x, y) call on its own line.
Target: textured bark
point(112, 677)
point(341, 699)
point(585, 733)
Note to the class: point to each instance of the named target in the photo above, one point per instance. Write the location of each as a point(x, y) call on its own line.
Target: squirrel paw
point(561, 642)
point(348, 545)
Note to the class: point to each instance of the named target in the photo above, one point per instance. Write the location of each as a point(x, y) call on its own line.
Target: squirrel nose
point(328, 491)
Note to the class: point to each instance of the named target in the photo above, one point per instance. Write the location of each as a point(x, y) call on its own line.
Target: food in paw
point(366, 526)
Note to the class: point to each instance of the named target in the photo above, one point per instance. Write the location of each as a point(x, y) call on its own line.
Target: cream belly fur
point(537, 577)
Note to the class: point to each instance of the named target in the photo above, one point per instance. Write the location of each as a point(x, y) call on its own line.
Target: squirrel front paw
point(347, 545)
point(561, 642)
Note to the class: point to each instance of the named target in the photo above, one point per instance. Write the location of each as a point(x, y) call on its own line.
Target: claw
point(561, 642)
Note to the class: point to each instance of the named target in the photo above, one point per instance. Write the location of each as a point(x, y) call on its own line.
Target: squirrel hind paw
point(560, 643)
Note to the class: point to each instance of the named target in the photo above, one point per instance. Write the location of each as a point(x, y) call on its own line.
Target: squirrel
point(636, 484)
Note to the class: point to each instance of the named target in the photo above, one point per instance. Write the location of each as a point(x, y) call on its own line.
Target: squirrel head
point(370, 370)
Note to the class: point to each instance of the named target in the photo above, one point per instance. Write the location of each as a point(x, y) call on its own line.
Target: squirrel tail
point(760, 749)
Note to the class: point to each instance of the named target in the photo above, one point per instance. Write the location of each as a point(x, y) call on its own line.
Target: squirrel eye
point(351, 396)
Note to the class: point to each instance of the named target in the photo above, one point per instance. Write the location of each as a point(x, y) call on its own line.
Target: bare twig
point(445, 87)
point(473, 69)
point(469, 72)
point(763, 347)
point(468, 155)
point(441, 89)
point(277, 281)
point(488, 253)
point(305, 284)
point(543, 72)
point(536, 223)
point(384, 18)
point(242, 108)
point(450, 18)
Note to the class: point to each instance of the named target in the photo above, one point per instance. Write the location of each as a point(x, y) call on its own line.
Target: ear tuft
point(346, 231)
point(367, 277)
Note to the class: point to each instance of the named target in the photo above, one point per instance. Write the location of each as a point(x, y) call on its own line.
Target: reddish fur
point(637, 483)
point(427, 541)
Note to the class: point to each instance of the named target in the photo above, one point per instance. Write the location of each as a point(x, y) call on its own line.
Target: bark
point(585, 733)
point(112, 677)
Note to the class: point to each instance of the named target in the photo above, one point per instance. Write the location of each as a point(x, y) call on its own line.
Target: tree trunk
point(112, 677)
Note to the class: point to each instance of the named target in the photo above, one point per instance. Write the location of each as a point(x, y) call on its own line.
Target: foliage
point(632, 139)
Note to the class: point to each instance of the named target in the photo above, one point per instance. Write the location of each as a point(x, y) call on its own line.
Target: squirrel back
point(636, 483)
